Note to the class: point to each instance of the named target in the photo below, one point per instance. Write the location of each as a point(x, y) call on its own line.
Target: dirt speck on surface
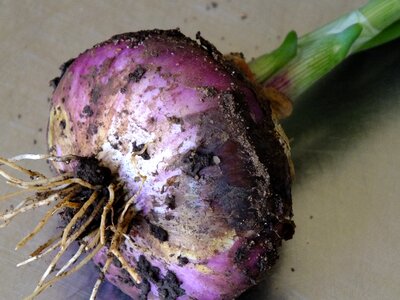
point(63, 124)
point(89, 169)
point(212, 5)
point(63, 68)
point(168, 285)
point(175, 120)
point(196, 161)
point(170, 202)
point(95, 95)
point(138, 149)
point(87, 111)
point(158, 232)
point(137, 74)
point(92, 129)
point(182, 260)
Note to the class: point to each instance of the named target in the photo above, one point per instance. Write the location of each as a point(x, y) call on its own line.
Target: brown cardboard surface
point(346, 194)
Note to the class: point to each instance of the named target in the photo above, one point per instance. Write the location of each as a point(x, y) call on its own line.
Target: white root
point(29, 157)
point(71, 181)
point(50, 241)
point(50, 268)
point(106, 209)
point(65, 158)
point(38, 182)
point(8, 215)
point(62, 189)
point(74, 205)
point(124, 220)
point(133, 198)
point(22, 203)
point(96, 287)
point(69, 241)
point(93, 242)
point(33, 203)
point(14, 166)
point(44, 220)
point(131, 243)
point(122, 227)
point(78, 215)
point(73, 259)
point(135, 276)
point(141, 151)
point(43, 182)
point(47, 184)
point(41, 254)
point(42, 287)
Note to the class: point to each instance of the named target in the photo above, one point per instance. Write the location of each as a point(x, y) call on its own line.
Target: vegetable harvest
point(171, 170)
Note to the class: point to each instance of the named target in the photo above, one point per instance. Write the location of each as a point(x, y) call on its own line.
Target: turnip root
point(204, 198)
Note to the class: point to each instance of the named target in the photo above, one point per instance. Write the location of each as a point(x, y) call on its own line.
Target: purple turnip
point(171, 169)
point(196, 161)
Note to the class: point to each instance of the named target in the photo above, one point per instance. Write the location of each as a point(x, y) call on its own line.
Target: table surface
point(344, 136)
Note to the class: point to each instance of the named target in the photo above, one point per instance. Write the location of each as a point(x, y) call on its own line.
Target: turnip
point(171, 169)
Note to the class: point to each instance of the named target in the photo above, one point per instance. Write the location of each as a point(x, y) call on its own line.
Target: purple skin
point(216, 203)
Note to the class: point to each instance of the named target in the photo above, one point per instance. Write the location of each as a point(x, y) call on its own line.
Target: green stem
point(320, 51)
point(268, 64)
point(389, 34)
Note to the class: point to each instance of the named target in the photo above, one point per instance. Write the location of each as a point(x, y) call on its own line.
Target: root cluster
point(96, 215)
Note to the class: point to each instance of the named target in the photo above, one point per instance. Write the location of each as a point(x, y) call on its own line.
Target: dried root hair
point(97, 217)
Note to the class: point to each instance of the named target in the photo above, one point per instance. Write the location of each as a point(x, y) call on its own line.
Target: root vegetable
point(195, 145)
